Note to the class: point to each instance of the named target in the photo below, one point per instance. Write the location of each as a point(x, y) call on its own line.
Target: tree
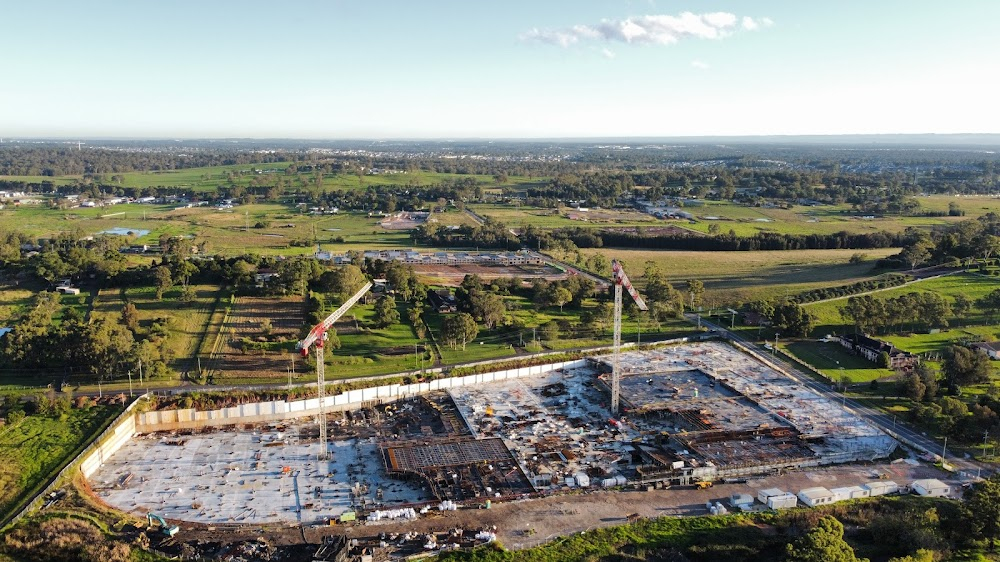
point(347, 280)
point(164, 280)
point(792, 320)
point(884, 361)
point(916, 253)
point(130, 317)
point(550, 331)
point(385, 312)
point(823, 543)
point(561, 296)
point(990, 304)
point(965, 366)
point(961, 306)
point(696, 289)
point(490, 308)
point(921, 555)
point(458, 329)
point(982, 509)
point(913, 387)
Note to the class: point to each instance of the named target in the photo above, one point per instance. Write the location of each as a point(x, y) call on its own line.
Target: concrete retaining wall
point(259, 412)
point(116, 436)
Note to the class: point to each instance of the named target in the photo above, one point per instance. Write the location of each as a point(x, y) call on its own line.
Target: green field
point(35, 449)
point(972, 285)
point(826, 219)
point(734, 277)
point(379, 351)
point(521, 216)
point(834, 361)
point(267, 228)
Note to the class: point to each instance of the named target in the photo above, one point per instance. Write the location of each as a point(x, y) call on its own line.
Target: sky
point(368, 69)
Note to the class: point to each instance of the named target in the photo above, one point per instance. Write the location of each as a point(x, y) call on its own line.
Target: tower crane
point(315, 340)
point(620, 281)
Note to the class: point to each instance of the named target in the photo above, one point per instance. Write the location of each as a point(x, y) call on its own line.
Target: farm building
point(990, 348)
point(931, 487)
point(871, 349)
point(882, 487)
point(816, 496)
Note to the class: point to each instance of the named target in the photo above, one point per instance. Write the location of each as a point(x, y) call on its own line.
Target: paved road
point(880, 419)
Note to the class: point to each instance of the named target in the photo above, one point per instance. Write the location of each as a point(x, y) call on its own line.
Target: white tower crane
point(620, 280)
point(315, 339)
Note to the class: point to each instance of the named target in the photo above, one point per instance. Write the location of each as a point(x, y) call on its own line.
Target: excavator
point(167, 530)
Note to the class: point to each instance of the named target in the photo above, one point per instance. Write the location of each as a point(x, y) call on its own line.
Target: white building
point(882, 488)
point(741, 501)
point(777, 499)
point(816, 496)
point(849, 493)
point(931, 487)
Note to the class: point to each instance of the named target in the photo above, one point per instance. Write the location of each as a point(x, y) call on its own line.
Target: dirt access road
point(528, 523)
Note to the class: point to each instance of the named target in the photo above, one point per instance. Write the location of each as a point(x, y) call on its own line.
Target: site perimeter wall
point(278, 410)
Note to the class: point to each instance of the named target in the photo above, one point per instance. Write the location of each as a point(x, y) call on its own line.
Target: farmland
point(733, 277)
point(521, 216)
point(267, 229)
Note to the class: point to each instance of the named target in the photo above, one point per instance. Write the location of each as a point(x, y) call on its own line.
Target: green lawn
point(834, 361)
point(380, 351)
point(35, 449)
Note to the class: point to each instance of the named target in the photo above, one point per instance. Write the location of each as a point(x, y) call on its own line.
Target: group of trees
point(106, 348)
point(914, 310)
point(787, 317)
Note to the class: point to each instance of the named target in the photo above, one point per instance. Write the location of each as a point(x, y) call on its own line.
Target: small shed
point(741, 501)
point(841, 494)
point(762, 495)
point(816, 496)
point(882, 488)
point(931, 487)
point(784, 501)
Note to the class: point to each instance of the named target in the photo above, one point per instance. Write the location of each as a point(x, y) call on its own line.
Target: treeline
point(914, 310)
point(958, 244)
point(495, 234)
point(884, 282)
point(63, 161)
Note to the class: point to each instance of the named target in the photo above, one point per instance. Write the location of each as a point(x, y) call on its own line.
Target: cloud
point(608, 53)
point(700, 65)
point(751, 24)
point(650, 30)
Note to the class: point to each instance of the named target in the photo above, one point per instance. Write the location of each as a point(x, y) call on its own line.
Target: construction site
point(691, 413)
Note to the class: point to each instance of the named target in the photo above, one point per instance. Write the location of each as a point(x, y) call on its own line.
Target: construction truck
point(703, 484)
point(168, 530)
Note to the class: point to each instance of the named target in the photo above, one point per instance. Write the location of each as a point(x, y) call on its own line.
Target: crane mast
point(315, 340)
point(621, 281)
